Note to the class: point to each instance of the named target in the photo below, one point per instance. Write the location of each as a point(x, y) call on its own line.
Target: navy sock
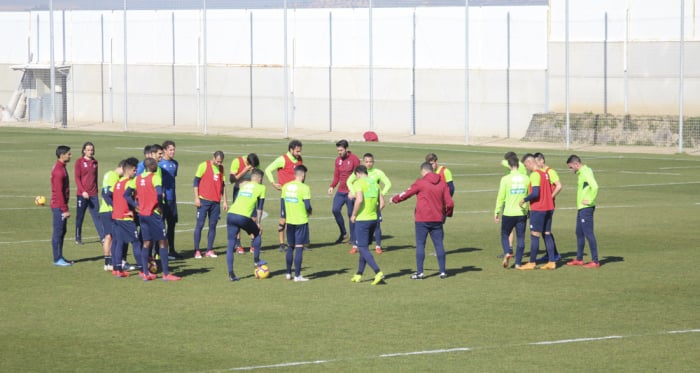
point(163, 251)
point(534, 247)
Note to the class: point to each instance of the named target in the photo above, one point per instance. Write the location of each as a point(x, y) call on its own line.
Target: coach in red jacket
point(433, 206)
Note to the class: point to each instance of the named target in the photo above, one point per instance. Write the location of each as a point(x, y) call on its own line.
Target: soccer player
point(513, 188)
point(368, 201)
point(209, 191)
point(240, 172)
point(169, 167)
point(434, 203)
point(109, 179)
point(284, 165)
point(124, 228)
point(60, 191)
point(556, 188)
point(295, 209)
point(522, 170)
point(86, 173)
point(148, 152)
point(380, 178)
point(444, 172)
point(149, 192)
point(586, 193)
point(541, 208)
point(344, 166)
point(248, 204)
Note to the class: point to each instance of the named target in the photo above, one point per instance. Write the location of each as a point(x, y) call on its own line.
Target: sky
point(22, 5)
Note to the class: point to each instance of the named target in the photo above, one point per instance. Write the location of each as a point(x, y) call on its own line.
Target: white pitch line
point(460, 349)
point(443, 351)
point(576, 340)
point(650, 173)
point(283, 365)
point(684, 331)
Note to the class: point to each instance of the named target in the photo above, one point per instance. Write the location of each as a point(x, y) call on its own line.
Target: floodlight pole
point(466, 72)
point(52, 67)
point(566, 73)
point(680, 77)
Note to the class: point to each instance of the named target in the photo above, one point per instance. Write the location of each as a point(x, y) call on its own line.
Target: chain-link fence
point(453, 68)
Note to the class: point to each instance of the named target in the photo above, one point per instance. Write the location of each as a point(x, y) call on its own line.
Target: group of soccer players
point(521, 196)
point(139, 207)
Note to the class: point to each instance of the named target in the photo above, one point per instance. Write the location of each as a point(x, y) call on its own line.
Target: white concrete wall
point(95, 39)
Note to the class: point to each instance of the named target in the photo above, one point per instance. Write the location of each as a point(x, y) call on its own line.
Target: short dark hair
point(150, 164)
point(147, 149)
point(573, 158)
point(121, 163)
point(294, 144)
point(539, 155)
point(368, 155)
point(253, 160)
point(61, 150)
point(156, 147)
point(426, 166)
point(131, 162)
point(167, 143)
point(431, 157)
point(257, 172)
point(300, 168)
point(512, 161)
point(343, 143)
point(361, 169)
point(219, 154)
point(527, 156)
point(85, 145)
point(509, 155)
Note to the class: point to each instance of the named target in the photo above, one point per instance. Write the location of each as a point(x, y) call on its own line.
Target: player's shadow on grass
point(462, 250)
point(322, 274)
point(611, 259)
point(401, 273)
point(91, 259)
point(180, 271)
point(456, 271)
point(400, 247)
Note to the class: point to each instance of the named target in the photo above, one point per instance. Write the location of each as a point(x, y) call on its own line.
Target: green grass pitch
point(638, 312)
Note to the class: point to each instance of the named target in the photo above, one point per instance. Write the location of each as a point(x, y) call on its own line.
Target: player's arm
point(449, 181)
point(57, 190)
point(590, 188)
point(500, 200)
point(195, 183)
point(129, 197)
point(275, 165)
point(336, 178)
point(223, 192)
point(408, 193)
point(107, 195)
point(449, 203)
point(384, 180)
point(351, 189)
point(359, 197)
point(381, 201)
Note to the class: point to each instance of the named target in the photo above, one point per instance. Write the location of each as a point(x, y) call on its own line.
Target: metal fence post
point(681, 80)
point(52, 66)
point(466, 72)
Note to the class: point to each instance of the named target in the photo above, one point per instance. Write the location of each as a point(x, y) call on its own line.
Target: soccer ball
point(262, 271)
point(152, 266)
point(40, 200)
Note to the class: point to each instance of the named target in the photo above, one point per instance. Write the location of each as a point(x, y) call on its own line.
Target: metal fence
point(506, 69)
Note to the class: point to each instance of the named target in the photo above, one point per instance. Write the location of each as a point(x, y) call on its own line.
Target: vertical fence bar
point(680, 78)
point(38, 39)
point(546, 69)
point(172, 65)
point(330, 71)
point(126, 100)
point(63, 34)
point(205, 84)
point(508, 75)
point(197, 81)
point(413, 77)
point(110, 82)
point(605, 67)
point(624, 61)
point(566, 72)
point(250, 70)
point(466, 72)
point(371, 70)
point(52, 66)
point(102, 68)
point(286, 77)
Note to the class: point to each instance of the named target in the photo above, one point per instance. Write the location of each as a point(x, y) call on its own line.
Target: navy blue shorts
point(152, 227)
point(364, 232)
point(298, 234)
point(125, 231)
point(541, 221)
point(107, 222)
